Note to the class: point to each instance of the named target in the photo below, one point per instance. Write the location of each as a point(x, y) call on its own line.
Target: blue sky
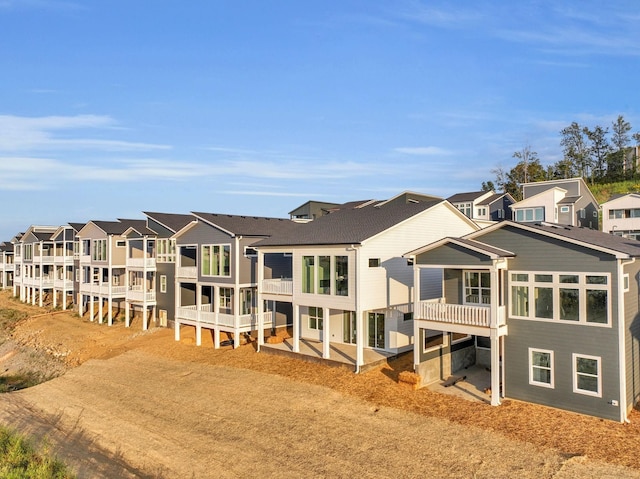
point(112, 107)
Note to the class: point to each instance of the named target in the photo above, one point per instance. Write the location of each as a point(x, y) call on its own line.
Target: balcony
point(136, 293)
point(85, 259)
point(283, 286)
point(149, 263)
point(206, 316)
point(460, 314)
point(43, 259)
point(189, 272)
point(103, 289)
point(63, 284)
point(60, 259)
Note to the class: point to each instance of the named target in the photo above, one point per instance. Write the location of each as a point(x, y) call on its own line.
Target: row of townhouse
point(550, 310)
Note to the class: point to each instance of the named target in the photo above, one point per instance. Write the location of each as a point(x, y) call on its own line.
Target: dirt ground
point(144, 405)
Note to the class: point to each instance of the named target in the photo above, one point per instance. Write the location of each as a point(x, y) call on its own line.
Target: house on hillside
point(215, 283)
point(103, 266)
point(311, 210)
point(621, 215)
point(344, 278)
point(166, 225)
point(7, 266)
point(567, 202)
point(65, 260)
point(35, 264)
point(483, 206)
point(551, 310)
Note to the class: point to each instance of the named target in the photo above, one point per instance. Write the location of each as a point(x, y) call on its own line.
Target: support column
point(495, 368)
point(127, 314)
point(110, 312)
point(259, 300)
point(216, 338)
point(198, 334)
point(91, 308)
point(100, 310)
point(55, 296)
point(326, 334)
point(416, 316)
point(359, 339)
point(296, 328)
point(176, 323)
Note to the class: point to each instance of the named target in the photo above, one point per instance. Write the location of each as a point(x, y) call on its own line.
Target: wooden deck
point(341, 355)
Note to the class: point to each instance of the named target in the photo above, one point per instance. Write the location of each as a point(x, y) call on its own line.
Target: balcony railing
point(464, 314)
point(136, 294)
point(282, 286)
point(43, 259)
point(206, 316)
point(60, 259)
point(63, 284)
point(103, 289)
point(187, 272)
point(85, 258)
point(141, 262)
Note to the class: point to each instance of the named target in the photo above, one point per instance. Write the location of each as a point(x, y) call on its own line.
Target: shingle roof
point(470, 196)
point(6, 246)
point(42, 235)
point(248, 225)
point(77, 226)
point(173, 221)
point(502, 253)
point(352, 223)
point(491, 199)
point(567, 200)
point(120, 226)
point(588, 236)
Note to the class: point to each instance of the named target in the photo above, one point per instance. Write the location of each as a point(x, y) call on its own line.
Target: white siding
point(621, 224)
point(392, 282)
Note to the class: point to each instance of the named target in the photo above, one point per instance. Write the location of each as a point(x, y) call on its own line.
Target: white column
point(145, 315)
point(416, 309)
point(91, 308)
point(176, 304)
point(216, 338)
point(55, 294)
point(259, 301)
point(326, 330)
point(198, 312)
point(127, 314)
point(110, 311)
point(176, 323)
point(296, 328)
point(359, 339)
point(198, 334)
point(495, 368)
point(100, 306)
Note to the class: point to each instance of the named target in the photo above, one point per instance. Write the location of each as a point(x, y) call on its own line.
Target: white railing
point(60, 259)
point(85, 258)
point(434, 310)
point(103, 289)
point(141, 262)
point(188, 312)
point(43, 259)
point(135, 294)
point(63, 283)
point(278, 286)
point(187, 272)
point(9, 267)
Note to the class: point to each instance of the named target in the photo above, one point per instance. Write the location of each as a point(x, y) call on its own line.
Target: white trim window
point(529, 214)
point(566, 297)
point(477, 287)
point(541, 368)
point(565, 209)
point(216, 260)
point(167, 250)
point(315, 318)
point(99, 250)
point(587, 375)
point(466, 208)
point(163, 283)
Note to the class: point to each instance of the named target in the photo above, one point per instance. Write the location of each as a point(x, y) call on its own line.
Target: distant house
point(34, 264)
point(311, 210)
point(345, 278)
point(65, 259)
point(551, 310)
point(621, 215)
point(7, 266)
point(483, 205)
point(567, 202)
point(103, 266)
point(215, 280)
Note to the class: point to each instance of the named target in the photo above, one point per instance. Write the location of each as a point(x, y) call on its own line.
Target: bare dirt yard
point(128, 403)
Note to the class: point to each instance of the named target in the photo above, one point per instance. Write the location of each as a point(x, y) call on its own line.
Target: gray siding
point(203, 234)
point(452, 254)
point(158, 228)
point(632, 335)
point(166, 300)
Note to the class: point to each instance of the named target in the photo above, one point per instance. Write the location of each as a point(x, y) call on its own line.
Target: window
point(459, 337)
point(374, 262)
point(465, 208)
point(587, 375)
point(572, 297)
point(99, 250)
point(342, 275)
point(500, 214)
point(250, 252)
point(121, 243)
point(308, 274)
point(625, 280)
point(315, 318)
point(115, 280)
point(78, 275)
point(477, 287)
point(349, 327)
point(28, 252)
point(324, 274)
point(226, 295)
point(216, 260)
point(247, 297)
point(564, 209)
point(432, 339)
point(482, 211)
point(541, 367)
point(530, 214)
point(163, 283)
point(166, 250)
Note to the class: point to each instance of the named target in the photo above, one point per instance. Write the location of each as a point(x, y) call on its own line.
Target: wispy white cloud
point(263, 192)
point(423, 151)
point(40, 133)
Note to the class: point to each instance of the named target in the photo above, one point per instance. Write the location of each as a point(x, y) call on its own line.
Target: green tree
point(616, 166)
point(598, 150)
point(575, 151)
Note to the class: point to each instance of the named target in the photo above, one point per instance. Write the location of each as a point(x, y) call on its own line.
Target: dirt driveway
point(139, 404)
point(139, 415)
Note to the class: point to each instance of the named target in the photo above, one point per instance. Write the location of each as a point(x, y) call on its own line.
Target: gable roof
point(172, 221)
point(238, 225)
point(584, 188)
point(483, 248)
point(6, 247)
point(352, 223)
point(587, 237)
point(495, 197)
point(118, 227)
point(619, 196)
point(466, 197)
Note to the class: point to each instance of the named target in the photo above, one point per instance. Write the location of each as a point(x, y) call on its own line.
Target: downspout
point(622, 364)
